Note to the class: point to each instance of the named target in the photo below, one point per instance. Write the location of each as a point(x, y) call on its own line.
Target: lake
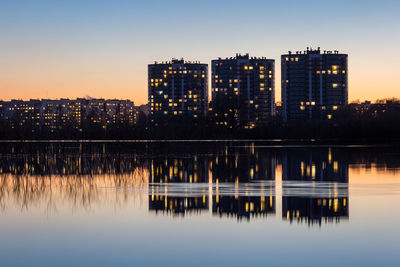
point(242, 203)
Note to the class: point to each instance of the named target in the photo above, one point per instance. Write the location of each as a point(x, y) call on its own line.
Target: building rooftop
point(317, 51)
point(177, 61)
point(245, 56)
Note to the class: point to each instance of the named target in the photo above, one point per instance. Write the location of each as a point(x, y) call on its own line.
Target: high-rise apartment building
point(243, 91)
point(177, 89)
point(314, 84)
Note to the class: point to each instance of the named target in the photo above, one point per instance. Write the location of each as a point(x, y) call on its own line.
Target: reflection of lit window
point(335, 166)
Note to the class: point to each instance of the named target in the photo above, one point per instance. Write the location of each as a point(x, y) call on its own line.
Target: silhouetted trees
point(355, 121)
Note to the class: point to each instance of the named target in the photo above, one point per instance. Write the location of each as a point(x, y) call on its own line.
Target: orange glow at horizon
point(129, 81)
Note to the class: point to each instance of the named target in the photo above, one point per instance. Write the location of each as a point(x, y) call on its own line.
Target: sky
point(97, 48)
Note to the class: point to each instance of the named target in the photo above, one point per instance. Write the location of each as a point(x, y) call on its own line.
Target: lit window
point(334, 107)
point(335, 85)
point(329, 116)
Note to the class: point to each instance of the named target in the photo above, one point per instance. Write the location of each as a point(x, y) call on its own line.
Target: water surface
point(198, 204)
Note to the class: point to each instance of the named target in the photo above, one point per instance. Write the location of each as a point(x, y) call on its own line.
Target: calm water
point(199, 204)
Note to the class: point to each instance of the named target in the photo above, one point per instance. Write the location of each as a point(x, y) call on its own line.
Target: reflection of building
point(319, 165)
point(243, 206)
point(242, 164)
point(313, 210)
point(242, 91)
point(177, 89)
point(314, 85)
point(314, 165)
point(178, 169)
point(177, 205)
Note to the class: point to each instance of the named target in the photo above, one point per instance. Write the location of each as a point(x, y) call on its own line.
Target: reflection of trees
point(68, 164)
point(75, 192)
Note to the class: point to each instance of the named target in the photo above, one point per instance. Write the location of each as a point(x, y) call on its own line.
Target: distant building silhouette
point(243, 92)
point(314, 84)
point(177, 89)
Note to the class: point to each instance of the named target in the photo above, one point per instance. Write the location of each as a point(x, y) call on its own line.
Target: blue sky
point(102, 48)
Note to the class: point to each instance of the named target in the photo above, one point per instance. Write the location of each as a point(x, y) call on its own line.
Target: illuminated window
point(329, 116)
point(335, 85)
point(334, 107)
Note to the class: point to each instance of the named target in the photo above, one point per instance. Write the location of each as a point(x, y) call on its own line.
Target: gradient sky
point(98, 48)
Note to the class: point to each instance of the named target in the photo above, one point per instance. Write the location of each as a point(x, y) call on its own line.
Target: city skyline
point(97, 49)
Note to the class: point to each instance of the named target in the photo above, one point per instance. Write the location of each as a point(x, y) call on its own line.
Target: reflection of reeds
point(75, 192)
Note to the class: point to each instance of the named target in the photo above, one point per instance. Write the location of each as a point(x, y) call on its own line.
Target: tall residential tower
point(314, 84)
point(177, 89)
point(243, 91)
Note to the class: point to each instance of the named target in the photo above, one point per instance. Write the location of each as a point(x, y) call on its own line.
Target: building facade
point(243, 91)
point(61, 113)
point(314, 84)
point(177, 90)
